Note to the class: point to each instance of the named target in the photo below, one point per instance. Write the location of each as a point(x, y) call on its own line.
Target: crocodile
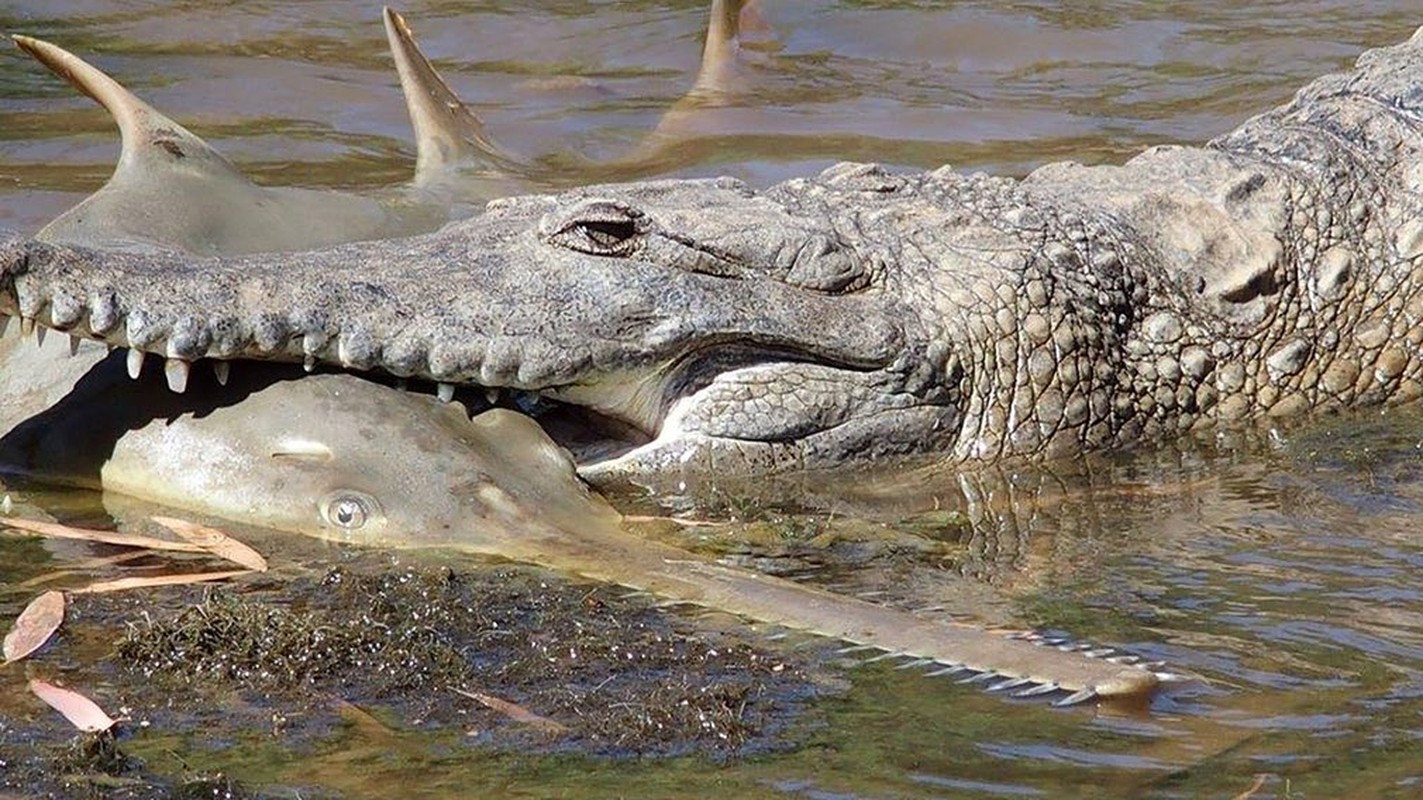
point(341, 457)
point(706, 327)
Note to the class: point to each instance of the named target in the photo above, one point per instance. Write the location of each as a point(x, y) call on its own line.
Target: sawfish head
point(331, 455)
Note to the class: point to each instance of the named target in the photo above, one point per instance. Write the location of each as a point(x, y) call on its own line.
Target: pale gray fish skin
point(173, 191)
point(341, 458)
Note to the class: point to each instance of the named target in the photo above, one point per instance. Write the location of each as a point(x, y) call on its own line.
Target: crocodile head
point(681, 319)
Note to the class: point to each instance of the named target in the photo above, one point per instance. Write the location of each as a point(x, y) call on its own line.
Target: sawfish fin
point(721, 54)
point(448, 136)
point(150, 138)
point(720, 76)
point(156, 153)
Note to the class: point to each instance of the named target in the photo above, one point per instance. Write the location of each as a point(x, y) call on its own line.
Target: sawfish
point(171, 190)
point(346, 459)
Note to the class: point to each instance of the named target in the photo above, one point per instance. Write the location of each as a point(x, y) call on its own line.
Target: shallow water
point(1282, 568)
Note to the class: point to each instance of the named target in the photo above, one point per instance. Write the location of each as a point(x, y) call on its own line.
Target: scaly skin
point(858, 315)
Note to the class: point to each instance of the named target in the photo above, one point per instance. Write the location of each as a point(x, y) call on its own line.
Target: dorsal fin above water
point(721, 52)
point(151, 141)
point(447, 134)
point(719, 77)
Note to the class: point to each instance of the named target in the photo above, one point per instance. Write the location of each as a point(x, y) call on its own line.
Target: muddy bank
point(504, 659)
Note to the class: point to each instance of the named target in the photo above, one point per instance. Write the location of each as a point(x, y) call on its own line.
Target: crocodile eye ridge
point(596, 227)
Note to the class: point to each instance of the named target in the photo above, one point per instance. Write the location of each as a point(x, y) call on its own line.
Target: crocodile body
point(858, 315)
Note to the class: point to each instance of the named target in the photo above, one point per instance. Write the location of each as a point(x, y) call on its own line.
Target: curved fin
point(447, 134)
point(721, 52)
point(151, 141)
point(718, 77)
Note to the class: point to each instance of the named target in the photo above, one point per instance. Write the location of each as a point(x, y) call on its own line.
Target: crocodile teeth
point(948, 670)
point(135, 363)
point(918, 662)
point(445, 391)
point(1046, 688)
point(176, 371)
point(39, 334)
point(221, 369)
point(27, 326)
point(4, 323)
point(308, 363)
point(1077, 697)
point(74, 342)
point(491, 394)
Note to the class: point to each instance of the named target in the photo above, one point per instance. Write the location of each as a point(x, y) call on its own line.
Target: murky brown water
point(1284, 570)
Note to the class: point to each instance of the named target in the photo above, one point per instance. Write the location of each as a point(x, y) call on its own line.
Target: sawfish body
point(345, 459)
point(173, 191)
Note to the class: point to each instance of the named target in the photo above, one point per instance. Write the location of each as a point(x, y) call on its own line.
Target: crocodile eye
point(596, 227)
point(607, 234)
point(348, 511)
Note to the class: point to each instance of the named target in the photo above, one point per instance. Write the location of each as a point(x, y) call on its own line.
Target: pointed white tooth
point(309, 363)
point(221, 369)
point(27, 325)
point(1011, 683)
point(74, 342)
point(39, 335)
point(4, 324)
point(1077, 697)
point(176, 371)
point(855, 648)
point(446, 392)
point(491, 393)
point(135, 363)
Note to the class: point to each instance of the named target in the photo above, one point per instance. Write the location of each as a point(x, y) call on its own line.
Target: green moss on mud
point(621, 677)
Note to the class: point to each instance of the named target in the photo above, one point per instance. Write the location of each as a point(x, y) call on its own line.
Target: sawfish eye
point(349, 511)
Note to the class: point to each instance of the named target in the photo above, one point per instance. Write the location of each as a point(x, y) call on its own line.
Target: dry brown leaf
point(361, 720)
point(34, 626)
point(81, 712)
point(1249, 794)
point(157, 580)
point(83, 567)
point(56, 531)
point(515, 711)
point(215, 542)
